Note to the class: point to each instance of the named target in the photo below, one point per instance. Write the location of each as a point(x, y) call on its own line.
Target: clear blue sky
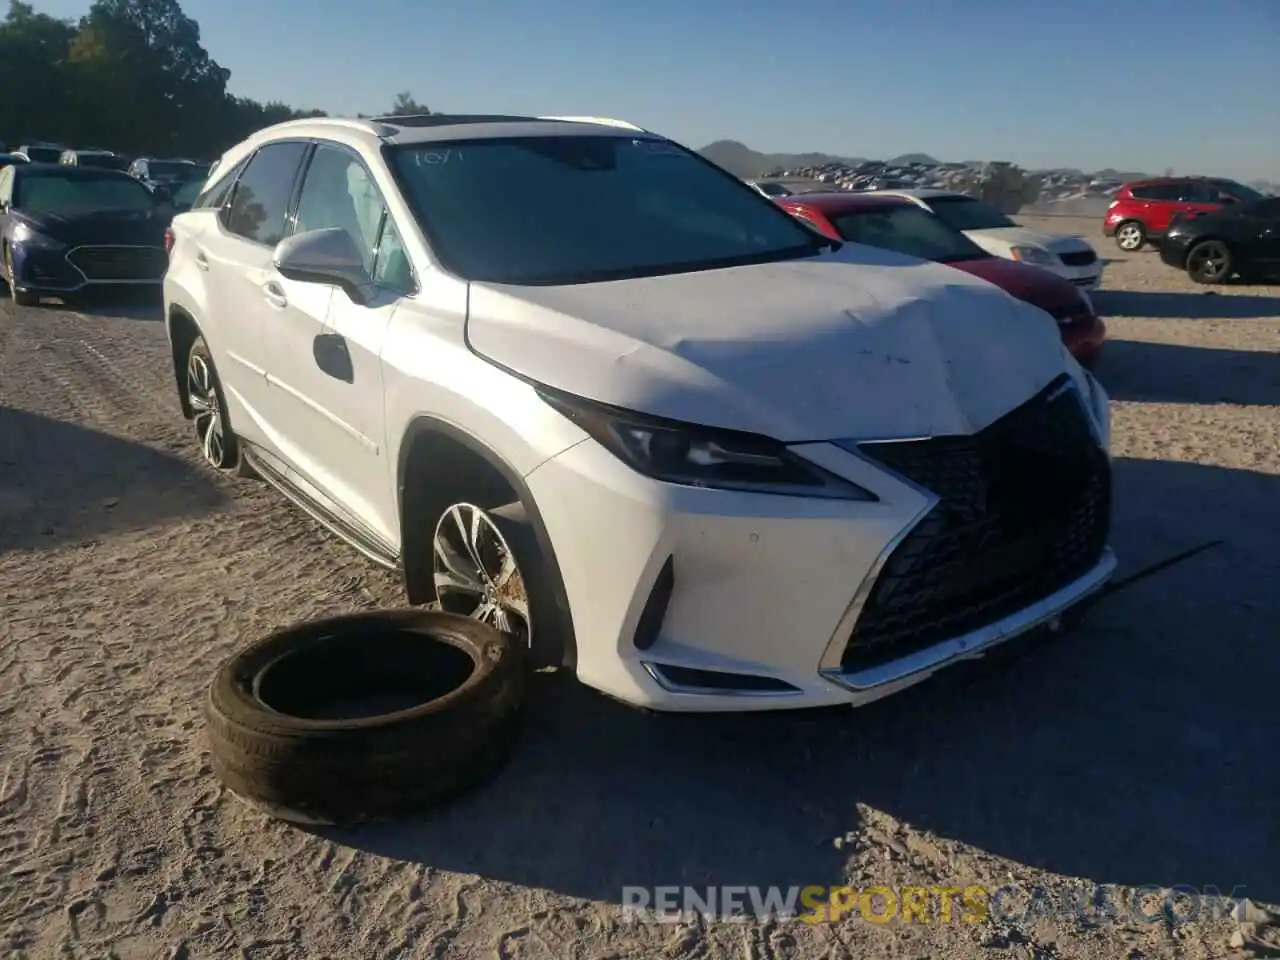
point(1134, 84)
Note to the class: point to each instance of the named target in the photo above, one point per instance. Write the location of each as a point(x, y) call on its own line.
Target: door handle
point(274, 294)
point(332, 357)
point(202, 262)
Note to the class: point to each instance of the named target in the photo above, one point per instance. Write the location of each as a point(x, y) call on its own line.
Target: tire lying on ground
point(367, 716)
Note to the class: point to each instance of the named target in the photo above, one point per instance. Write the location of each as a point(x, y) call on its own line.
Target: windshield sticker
point(433, 158)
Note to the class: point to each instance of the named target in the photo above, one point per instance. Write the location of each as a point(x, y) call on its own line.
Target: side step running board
point(366, 543)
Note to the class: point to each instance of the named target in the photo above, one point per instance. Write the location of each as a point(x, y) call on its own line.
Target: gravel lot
point(1138, 751)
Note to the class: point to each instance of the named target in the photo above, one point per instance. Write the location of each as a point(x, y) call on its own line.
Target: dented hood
point(852, 344)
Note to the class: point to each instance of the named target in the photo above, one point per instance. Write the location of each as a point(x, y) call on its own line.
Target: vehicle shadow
point(1136, 750)
point(1176, 373)
point(123, 303)
point(62, 483)
point(1207, 305)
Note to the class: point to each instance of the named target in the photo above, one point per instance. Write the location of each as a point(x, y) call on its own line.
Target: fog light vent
point(691, 680)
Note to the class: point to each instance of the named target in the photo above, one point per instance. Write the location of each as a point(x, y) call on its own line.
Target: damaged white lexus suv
point(573, 379)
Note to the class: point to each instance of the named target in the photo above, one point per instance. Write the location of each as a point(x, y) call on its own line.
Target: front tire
point(21, 298)
point(1130, 236)
point(1210, 262)
point(218, 443)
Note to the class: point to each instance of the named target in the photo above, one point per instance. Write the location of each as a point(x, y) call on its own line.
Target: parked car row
point(670, 437)
point(905, 224)
point(1213, 228)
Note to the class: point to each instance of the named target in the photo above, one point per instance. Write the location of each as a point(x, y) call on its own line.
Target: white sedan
point(1072, 258)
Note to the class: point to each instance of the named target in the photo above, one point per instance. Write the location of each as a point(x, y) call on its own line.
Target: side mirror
point(1227, 199)
point(161, 193)
point(325, 256)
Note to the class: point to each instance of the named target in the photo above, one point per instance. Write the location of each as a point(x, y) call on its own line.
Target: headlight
point(1035, 255)
point(25, 235)
point(697, 456)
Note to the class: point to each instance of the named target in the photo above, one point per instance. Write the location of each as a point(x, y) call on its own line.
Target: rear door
point(1197, 198)
point(1160, 201)
point(236, 257)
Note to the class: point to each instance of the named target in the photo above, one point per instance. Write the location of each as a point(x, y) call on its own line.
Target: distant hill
point(906, 158)
point(742, 161)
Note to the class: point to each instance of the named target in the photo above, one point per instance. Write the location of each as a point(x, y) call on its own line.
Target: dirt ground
point(1138, 751)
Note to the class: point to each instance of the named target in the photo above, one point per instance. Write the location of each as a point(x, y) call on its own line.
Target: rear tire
point(1130, 236)
point(218, 443)
point(1210, 261)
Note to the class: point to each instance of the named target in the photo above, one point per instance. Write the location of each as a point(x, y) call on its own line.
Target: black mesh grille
point(1024, 509)
point(120, 263)
point(1079, 258)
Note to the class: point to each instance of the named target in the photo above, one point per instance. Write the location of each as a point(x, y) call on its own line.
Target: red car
point(1142, 210)
point(894, 223)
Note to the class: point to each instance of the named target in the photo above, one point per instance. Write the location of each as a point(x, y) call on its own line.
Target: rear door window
point(1198, 193)
point(1158, 191)
point(263, 193)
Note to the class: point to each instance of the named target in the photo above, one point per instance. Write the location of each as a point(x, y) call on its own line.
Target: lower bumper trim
point(977, 642)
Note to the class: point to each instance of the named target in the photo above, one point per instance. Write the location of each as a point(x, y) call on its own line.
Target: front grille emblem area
point(1024, 509)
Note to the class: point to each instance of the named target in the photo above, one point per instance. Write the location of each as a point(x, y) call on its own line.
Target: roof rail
point(351, 123)
point(602, 121)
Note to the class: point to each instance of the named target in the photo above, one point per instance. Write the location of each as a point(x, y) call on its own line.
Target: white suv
point(569, 377)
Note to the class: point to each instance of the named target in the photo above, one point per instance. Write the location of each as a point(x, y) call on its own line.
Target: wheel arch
point(425, 439)
point(1207, 238)
point(183, 332)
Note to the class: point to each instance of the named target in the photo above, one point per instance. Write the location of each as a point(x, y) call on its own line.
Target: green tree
point(33, 54)
point(131, 76)
point(406, 106)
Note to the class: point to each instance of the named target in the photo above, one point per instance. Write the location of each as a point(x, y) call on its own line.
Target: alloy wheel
point(1129, 236)
point(202, 394)
point(1209, 261)
point(476, 573)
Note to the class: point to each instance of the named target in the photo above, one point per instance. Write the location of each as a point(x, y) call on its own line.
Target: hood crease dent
point(857, 343)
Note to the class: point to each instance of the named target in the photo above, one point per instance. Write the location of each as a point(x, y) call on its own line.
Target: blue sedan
point(66, 230)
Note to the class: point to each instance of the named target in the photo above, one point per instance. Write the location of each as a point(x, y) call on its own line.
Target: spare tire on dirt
point(367, 716)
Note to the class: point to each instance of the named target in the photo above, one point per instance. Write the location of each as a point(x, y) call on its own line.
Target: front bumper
point(1173, 250)
point(765, 587)
point(1088, 277)
point(62, 270)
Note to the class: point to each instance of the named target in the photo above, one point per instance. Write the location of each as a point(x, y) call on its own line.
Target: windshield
point(577, 209)
point(43, 154)
point(80, 195)
point(169, 169)
point(1238, 190)
point(965, 213)
point(907, 229)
